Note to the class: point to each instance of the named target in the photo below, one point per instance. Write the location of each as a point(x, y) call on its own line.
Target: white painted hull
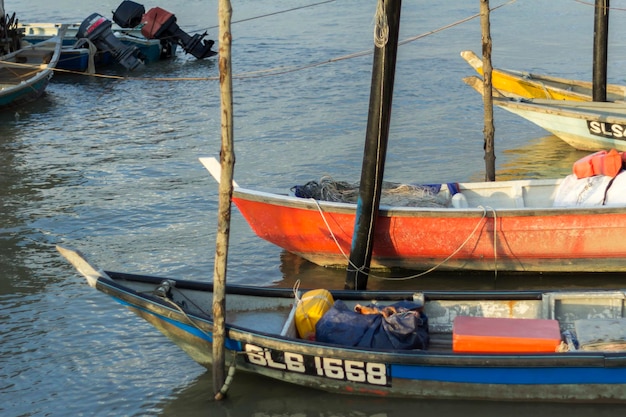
point(584, 126)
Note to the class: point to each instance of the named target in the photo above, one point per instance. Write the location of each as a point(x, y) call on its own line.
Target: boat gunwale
point(603, 111)
point(293, 202)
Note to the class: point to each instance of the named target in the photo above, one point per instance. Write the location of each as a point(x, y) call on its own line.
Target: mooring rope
point(472, 233)
point(229, 378)
point(495, 241)
point(381, 37)
point(448, 257)
point(285, 70)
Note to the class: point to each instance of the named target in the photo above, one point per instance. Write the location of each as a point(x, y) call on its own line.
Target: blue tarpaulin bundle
point(407, 328)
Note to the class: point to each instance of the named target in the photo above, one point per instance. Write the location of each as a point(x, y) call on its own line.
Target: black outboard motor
point(161, 24)
point(128, 14)
point(97, 29)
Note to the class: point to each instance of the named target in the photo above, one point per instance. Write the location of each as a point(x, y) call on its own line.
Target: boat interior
point(590, 320)
point(506, 195)
point(593, 191)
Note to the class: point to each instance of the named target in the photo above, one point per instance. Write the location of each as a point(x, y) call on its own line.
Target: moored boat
point(584, 125)
point(550, 225)
point(523, 84)
point(26, 72)
point(565, 346)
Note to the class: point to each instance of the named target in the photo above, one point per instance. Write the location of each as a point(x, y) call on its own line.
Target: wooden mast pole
point(379, 116)
point(227, 160)
point(488, 130)
point(600, 47)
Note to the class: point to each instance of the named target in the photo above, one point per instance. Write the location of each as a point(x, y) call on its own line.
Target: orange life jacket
point(600, 163)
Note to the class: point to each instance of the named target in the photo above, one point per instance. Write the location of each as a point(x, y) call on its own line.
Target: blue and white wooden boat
point(25, 73)
point(79, 58)
point(586, 364)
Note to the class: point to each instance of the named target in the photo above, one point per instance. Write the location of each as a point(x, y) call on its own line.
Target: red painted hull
point(551, 239)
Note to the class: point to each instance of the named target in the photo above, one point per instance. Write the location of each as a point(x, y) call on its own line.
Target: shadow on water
point(252, 395)
point(310, 275)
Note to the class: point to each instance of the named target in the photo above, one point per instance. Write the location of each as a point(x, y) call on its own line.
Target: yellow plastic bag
point(310, 308)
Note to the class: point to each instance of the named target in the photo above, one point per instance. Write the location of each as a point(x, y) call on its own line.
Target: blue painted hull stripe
point(191, 329)
point(507, 376)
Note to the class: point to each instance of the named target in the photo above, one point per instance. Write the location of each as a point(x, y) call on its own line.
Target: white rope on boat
point(473, 232)
point(332, 235)
point(495, 241)
point(296, 290)
point(453, 253)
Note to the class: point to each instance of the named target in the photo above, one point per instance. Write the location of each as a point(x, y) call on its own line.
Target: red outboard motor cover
point(154, 20)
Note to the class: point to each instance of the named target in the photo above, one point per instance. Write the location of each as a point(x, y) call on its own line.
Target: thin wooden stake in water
point(488, 130)
point(227, 160)
point(600, 47)
point(386, 41)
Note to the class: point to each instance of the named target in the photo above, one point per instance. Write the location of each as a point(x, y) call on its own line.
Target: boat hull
point(26, 92)
point(587, 128)
point(524, 84)
point(561, 106)
point(406, 375)
point(551, 239)
point(434, 373)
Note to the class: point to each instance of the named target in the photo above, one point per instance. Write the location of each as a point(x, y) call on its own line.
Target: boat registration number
point(607, 130)
point(345, 370)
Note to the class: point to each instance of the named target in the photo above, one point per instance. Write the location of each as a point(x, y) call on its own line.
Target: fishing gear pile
point(393, 194)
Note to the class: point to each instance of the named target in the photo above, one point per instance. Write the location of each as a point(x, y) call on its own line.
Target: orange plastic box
point(504, 335)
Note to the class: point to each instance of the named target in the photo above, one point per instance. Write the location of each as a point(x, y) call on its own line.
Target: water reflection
point(545, 157)
point(260, 397)
point(310, 275)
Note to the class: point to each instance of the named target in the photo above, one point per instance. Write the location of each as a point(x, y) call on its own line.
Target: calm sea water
point(110, 166)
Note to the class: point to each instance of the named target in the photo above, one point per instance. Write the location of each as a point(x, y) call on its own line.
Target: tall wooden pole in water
point(600, 46)
point(227, 160)
point(488, 130)
point(379, 116)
